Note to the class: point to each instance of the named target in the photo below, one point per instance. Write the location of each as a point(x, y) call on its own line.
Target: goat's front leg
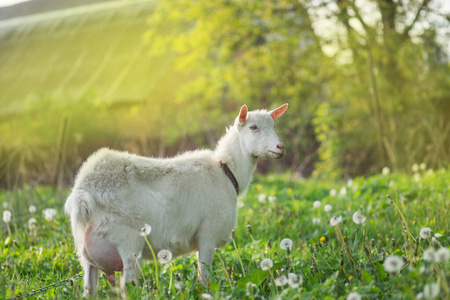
point(205, 257)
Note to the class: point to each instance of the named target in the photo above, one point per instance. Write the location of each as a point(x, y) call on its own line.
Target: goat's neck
point(242, 164)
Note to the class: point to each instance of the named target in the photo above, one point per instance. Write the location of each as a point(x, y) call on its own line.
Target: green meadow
point(388, 238)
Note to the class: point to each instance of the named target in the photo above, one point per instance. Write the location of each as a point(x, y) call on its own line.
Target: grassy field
point(389, 255)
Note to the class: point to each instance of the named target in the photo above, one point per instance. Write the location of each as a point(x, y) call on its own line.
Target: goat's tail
point(78, 206)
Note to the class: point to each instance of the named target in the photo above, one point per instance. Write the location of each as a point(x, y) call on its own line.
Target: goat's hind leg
point(130, 252)
point(90, 278)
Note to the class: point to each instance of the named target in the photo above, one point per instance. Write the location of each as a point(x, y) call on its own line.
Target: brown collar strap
point(230, 175)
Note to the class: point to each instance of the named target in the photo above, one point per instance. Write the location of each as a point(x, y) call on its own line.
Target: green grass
point(333, 260)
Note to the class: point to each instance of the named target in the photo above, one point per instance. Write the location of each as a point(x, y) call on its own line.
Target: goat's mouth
point(276, 155)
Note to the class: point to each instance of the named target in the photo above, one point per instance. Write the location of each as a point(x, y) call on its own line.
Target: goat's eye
point(253, 127)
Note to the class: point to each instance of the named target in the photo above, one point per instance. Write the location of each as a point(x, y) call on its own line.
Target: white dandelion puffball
point(32, 223)
point(146, 230)
point(333, 192)
point(272, 198)
point(286, 243)
point(207, 296)
point(262, 198)
point(431, 290)
point(358, 218)
point(393, 264)
point(353, 296)
point(5, 204)
point(179, 285)
point(422, 166)
point(327, 208)
point(266, 264)
point(437, 235)
point(343, 191)
point(49, 213)
point(280, 281)
point(316, 204)
point(416, 177)
point(164, 256)
point(335, 220)
point(295, 280)
point(386, 171)
point(32, 209)
point(349, 183)
point(425, 232)
point(415, 168)
point(316, 221)
point(442, 254)
point(429, 255)
point(391, 183)
point(7, 216)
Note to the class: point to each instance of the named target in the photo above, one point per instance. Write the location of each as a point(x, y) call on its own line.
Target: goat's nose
point(280, 146)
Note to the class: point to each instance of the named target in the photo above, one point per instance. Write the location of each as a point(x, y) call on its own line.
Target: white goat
point(189, 200)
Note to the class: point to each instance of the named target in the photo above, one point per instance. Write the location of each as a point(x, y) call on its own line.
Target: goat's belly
point(101, 253)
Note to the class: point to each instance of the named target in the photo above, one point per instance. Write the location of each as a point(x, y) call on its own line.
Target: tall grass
point(325, 261)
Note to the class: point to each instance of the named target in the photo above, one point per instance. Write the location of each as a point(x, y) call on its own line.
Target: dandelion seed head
point(393, 264)
point(422, 166)
point(437, 235)
point(429, 255)
point(416, 177)
point(146, 230)
point(49, 214)
point(207, 296)
point(343, 191)
point(286, 243)
point(358, 218)
point(266, 264)
point(32, 223)
point(349, 183)
point(425, 232)
point(164, 256)
point(316, 204)
point(262, 198)
point(5, 204)
point(386, 171)
point(281, 281)
point(335, 220)
point(391, 183)
point(179, 285)
point(7, 216)
point(353, 296)
point(294, 280)
point(431, 290)
point(415, 168)
point(327, 208)
point(272, 198)
point(316, 221)
point(442, 254)
point(32, 209)
point(333, 192)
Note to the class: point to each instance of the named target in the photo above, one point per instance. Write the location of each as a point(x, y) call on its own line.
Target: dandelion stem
point(239, 257)
point(155, 261)
point(349, 255)
point(227, 276)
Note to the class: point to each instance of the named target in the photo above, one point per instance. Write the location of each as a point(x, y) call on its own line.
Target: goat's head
point(257, 132)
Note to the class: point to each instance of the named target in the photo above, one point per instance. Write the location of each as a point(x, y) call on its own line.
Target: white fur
point(188, 200)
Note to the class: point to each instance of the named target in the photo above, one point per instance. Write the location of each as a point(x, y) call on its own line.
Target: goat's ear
point(278, 111)
point(243, 115)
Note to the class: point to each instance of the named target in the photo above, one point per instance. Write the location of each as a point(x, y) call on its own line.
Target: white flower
point(333, 192)
point(316, 204)
point(7, 216)
point(429, 255)
point(385, 171)
point(262, 198)
point(425, 232)
point(280, 281)
point(207, 296)
point(343, 191)
point(286, 243)
point(294, 280)
point(393, 264)
point(431, 290)
point(358, 218)
point(422, 166)
point(353, 296)
point(164, 256)
point(327, 208)
point(146, 230)
point(437, 235)
point(32, 223)
point(349, 183)
point(415, 168)
point(49, 213)
point(335, 220)
point(266, 264)
point(272, 198)
point(32, 209)
point(442, 254)
point(316, 221)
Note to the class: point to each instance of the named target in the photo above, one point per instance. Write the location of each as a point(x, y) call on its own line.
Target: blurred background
point(367, 81)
